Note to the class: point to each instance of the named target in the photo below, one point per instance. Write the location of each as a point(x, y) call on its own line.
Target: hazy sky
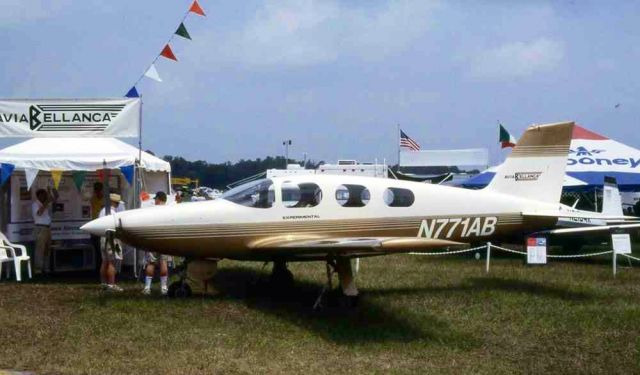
point(334, 76)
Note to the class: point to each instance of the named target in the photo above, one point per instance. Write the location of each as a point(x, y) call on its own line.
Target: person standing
point(41, 211)
point(110, 250)
point(97, 202)
point(153, 258)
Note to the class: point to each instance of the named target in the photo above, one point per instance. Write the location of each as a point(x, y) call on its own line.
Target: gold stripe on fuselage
point(278, 228)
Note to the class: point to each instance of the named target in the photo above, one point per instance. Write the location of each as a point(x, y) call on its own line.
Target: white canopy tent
point(71, 155)
point(78, 154)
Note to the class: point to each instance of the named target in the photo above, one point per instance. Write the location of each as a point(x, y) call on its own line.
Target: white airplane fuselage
point(224, 229)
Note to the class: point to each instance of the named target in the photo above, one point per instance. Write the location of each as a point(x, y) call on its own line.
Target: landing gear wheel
point(281, 280)
point(348, 302)
point(179, 289)
point(281, 277)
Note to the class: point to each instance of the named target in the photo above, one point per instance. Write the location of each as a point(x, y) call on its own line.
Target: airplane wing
point(313, 247)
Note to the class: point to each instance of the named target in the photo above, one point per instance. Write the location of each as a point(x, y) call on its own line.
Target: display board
point(536, 250)
point(621, 243)
point(71, 210)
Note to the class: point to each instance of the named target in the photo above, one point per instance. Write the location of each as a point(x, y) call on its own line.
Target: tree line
point(219, 175)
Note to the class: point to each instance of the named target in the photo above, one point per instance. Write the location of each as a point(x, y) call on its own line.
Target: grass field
point(416, 315)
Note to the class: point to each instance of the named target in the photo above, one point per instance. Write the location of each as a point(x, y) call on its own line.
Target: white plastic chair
point(10, 252)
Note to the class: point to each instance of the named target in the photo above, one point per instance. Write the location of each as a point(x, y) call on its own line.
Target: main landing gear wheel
point(281, 278)
point(179, 289)
point(347, 293)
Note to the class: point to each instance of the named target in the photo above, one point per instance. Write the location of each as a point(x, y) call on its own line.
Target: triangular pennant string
point(6, 170)
point(127, 171)
point(30, 174)
point(152, 73)
point(195, 8)
point(132, 93)
point(56, 174)
point(78, 179)
point(168, 53)
point(182, 31)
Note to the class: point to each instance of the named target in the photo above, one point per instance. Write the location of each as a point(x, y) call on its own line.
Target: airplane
point(335, 218)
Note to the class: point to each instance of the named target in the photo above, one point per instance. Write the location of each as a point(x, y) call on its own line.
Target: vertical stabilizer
point(611, 200)
point(535, 168)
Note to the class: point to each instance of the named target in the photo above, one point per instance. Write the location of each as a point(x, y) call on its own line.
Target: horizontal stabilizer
point(590, 229)
point(582, 215)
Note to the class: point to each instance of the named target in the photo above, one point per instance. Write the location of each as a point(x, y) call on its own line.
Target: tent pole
point(106, 189)
point(136, 197)
point(140, 132)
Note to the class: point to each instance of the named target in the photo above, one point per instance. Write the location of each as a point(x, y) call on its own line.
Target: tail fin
point(535, 169)
point(611, 200)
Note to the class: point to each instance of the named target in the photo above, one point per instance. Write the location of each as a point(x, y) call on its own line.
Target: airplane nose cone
point(99, 226)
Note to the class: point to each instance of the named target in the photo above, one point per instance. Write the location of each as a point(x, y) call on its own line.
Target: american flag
point(408, 143)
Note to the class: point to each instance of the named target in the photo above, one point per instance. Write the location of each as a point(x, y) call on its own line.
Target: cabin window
point(301, 195)
point(259, 194)
point(397, 197)
point(352, 195)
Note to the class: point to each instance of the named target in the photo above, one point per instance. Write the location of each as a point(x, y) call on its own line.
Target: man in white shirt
point(40, 209)
point(110, 250)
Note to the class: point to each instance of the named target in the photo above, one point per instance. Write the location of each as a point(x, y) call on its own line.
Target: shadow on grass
point(366, 322)
point(479, 284)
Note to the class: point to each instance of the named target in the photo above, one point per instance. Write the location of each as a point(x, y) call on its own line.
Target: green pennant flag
point(182, 31)
point(78, 179)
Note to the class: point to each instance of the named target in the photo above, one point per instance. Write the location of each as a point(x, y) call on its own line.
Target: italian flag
point(506, 139)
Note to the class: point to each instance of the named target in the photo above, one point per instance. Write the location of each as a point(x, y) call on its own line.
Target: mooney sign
point(70, 118)
point(614, 156)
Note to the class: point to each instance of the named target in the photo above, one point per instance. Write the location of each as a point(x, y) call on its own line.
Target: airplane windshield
point(259, 194)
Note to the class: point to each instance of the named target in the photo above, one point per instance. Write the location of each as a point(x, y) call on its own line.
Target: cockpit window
point(259, 194)
point(301, 195)
point(352, 195)
point(397, 197)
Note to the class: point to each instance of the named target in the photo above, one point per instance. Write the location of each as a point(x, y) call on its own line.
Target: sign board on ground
point(536, 250)
point(621, 243)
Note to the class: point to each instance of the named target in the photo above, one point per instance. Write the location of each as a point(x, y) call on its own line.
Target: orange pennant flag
point(56, 174)
point(195, 8)
point(168, 53)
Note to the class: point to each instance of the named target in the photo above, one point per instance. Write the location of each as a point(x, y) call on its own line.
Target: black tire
point(179, 289)
point(281, 280)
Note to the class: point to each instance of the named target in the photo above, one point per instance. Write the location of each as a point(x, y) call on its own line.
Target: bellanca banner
point(70, 118)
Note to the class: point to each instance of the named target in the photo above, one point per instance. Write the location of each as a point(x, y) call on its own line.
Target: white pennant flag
point(153, 73)
point(30, 174)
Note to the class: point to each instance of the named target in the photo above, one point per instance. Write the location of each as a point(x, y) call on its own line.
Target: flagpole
point(398, 167)
point(499, 146)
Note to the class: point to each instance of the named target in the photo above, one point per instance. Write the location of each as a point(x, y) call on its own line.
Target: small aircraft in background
point(334, 218)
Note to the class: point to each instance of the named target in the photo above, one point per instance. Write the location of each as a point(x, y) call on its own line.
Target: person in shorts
point(152, 258)
point(110, 251)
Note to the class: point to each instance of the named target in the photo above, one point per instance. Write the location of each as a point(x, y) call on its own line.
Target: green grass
point(417, 314)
